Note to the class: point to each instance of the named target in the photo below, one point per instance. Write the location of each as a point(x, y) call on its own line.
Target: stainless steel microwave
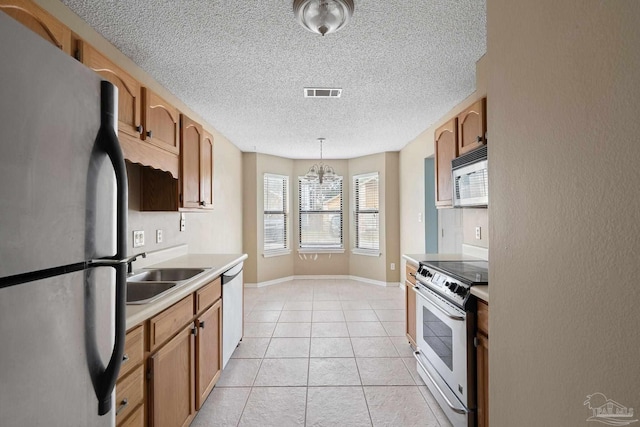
point(470, 179)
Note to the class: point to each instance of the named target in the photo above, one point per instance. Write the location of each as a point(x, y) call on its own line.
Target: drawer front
point(483, 317)
point(170, 321)
point(135, 420)
point(208, 294)
point(129, 393)
point(411, 273)
point(133, 350)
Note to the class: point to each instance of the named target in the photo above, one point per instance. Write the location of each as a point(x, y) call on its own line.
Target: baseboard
point(268, 282)
point(322, 277)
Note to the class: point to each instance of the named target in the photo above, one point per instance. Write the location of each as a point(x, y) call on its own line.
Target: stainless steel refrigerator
point(63, 211)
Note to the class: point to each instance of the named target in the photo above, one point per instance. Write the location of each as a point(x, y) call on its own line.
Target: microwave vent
point(470, 157)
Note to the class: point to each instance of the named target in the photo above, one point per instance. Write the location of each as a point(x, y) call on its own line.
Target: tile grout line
point(361, 383)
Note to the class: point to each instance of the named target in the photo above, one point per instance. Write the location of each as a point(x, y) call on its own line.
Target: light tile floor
point(322, 353)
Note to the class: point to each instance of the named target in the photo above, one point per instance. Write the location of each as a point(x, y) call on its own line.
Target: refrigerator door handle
point(107, 140)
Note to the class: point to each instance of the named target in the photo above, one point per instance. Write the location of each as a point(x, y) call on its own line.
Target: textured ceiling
point(242, 65)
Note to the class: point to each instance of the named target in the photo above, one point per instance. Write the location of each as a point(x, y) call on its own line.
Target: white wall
point(564, 98)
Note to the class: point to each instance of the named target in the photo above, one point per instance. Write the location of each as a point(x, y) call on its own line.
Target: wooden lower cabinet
point(172, 381)
point(410, 304)
point(136, 419)
point(129, 394)
point(482, 367)
point(208, 351)
point(185, 363)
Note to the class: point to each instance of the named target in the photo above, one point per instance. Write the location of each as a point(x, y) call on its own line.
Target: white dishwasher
point(232, 284)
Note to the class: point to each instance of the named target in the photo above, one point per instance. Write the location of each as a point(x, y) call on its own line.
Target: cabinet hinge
point(476, 342)
point(180, 197)
point(149, 375)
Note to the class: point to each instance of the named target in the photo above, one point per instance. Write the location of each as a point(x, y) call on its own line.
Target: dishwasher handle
point(231, 274)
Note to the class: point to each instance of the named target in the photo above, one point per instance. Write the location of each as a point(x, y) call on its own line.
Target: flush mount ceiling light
point(323, 16)
point(319, 171)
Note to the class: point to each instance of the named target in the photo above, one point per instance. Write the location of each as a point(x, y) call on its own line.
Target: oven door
point(442, 354)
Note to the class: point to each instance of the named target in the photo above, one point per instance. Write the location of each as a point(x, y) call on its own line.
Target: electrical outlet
point(158, 236)
point(393, 266)
point(183, 221)
point(478, 233)
point(420, 217)
point(138, 238)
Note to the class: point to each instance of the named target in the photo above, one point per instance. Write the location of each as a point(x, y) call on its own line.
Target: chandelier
point(319, 171)
point(323, 16)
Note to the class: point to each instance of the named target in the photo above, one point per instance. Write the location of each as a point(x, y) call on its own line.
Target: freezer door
point(57, 335)
point(57, 191)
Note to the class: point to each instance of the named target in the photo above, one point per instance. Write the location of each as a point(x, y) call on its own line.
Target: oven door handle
point(416, 289)
point(454, 408)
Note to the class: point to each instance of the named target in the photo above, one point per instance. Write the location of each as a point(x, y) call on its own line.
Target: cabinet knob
point(125, 358)
point(139, 129)
point(123, 404)
point(202, 203)
point(149, 134)
point(479, 139)
point(202, 325)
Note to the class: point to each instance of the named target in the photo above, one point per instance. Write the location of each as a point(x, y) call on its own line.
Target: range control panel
point(454, 290)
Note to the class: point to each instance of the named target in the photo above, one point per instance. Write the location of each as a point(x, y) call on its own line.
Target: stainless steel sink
point(165, 275)
point(146, 292)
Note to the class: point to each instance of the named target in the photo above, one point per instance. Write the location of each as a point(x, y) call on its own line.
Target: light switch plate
point(138, 238)
point(478, 233)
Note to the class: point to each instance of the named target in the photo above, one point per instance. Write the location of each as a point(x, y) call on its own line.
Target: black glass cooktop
point(469, 272)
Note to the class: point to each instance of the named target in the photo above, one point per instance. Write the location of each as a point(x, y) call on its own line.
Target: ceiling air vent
point(322, 92)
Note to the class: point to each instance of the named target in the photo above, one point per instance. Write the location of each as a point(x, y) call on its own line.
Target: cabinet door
point(446, 149)
point(39, 21)
point(206, 172)
point(172, 382)
point(410, 303)
point(129, 90)
point(161, 122)
point(482, 357)
point(191, 138)
point(410, 307)
point(472, 125)
point(208, 351)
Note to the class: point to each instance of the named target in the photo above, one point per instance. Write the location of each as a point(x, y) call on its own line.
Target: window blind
point(320, 214)
point(276, 207)
point(367, 211)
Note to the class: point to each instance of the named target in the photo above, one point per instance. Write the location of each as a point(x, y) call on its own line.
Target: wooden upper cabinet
point(196, 169)
point(472, 126)
point(206, 172)
point(161, 122)
point(129, 89)
point(446, 149)
point(39, 21)
point(191, 136)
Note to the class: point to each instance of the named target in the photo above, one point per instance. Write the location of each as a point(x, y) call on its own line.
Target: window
point(276, 212)
point(320, 214)
point(367, 212)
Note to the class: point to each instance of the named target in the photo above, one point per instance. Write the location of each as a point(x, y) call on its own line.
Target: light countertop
point(215, 265)
point(414, 259)
point(481, 292)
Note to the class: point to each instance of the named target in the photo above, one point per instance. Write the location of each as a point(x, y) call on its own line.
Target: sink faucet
point(133, 258)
